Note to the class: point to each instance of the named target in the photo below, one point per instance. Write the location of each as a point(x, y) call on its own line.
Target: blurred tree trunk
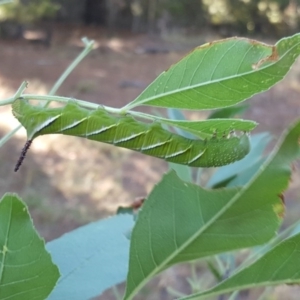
point(112, 7)
point(95, 12)
point(137, 11)
point(152, 6)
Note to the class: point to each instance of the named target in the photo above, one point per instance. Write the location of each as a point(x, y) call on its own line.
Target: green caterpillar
point(125, 131)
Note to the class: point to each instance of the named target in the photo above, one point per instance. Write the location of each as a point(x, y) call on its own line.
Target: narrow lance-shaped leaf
point(182, 222)
point(220, 74)
point(177, 115)
point(228, 112)
point(26, 268)
point(278, 266)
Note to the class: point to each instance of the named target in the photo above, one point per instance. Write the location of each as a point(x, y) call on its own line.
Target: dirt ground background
point(67, 181)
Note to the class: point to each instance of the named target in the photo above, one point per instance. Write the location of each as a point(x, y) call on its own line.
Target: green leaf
point(182, 222)
point(183, 172)
point(278, 266)
point(228, 112)
point(176, 114)
point(208, 128)
point(91, 258)
point(26, 268)
point(221, 74)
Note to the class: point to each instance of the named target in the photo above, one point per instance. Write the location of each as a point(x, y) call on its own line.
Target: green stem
point(50, 98)
point(171, 291)
point(141, 115)
point(86, 104)
point(128, 106)
point(58, 83)
point(20, 90)
point(234, 295)
point(87, 49)
point(82, 103)
point(17, 95)
point(4, 139)
point(116, 293)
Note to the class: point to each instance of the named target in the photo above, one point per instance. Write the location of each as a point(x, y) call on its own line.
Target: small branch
point(141, 115)
point(4, 139)
point(21, 89)
point(17, 95)
point(128, 106)
point(82, 103)
point(88, 104)
point(88, 47)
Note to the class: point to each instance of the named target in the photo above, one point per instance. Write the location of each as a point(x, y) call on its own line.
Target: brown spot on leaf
point(133, 207)
point(273, 57)
point(281, 196)
point(280, 208)
point(137, 203)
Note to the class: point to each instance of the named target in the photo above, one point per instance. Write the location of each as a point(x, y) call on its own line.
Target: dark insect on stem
point(23, 154)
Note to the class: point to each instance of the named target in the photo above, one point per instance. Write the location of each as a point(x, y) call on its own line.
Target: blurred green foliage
point(277, 17)
point(188, 12)
point(257, 16)
point(28, 11)
point(229, 17)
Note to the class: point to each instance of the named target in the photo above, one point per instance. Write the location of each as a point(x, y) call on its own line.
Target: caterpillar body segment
point(125, 131)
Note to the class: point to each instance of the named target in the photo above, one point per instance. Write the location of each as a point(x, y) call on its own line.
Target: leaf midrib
point(207, 83)
point(206, 225)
